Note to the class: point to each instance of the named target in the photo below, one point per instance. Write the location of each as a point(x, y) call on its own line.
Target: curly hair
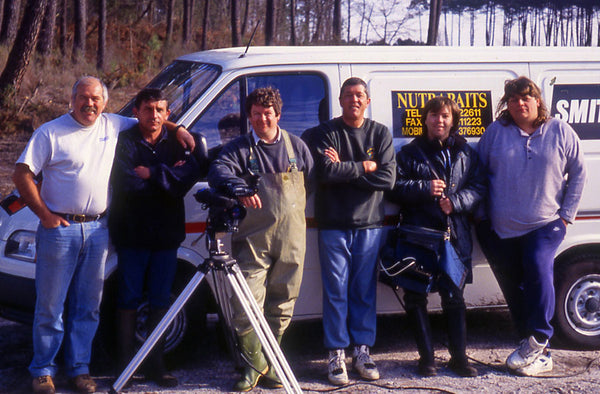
point(521, 86)
point(265, 97)
point(436, 104)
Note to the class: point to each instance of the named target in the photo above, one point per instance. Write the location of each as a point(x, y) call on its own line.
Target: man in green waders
point(271, 240)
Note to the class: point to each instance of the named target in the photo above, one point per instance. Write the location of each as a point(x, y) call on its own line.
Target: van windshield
point(182, 82)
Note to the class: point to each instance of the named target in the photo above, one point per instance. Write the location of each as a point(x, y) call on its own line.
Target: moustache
point(88, 109)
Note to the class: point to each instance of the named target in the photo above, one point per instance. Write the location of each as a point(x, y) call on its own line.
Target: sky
point(416, 28)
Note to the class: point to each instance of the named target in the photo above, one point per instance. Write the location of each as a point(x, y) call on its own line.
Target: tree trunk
point(80, 30)
point(245, 19)
point(46, 38)
point(62, 21)
point(435, 10)
point(169, 32)
point(349, 13)
point(235, 23)
point(307, 12)
point(270, 22)
point(490, 23)
point(101, 35)
point(472, 30)
point(20, 54)
point(187, 21)
point(292, 22)
point(10, 21)
point(204, 25)
point(337, 21)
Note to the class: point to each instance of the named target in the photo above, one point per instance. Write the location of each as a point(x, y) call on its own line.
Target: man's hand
point(369, 166)
point(446, 205)
point(52, 220)
point(29, 191)
point(142, 172)
point(332, 155)
point(251, 202)
point(185, 138)
point(437, 187)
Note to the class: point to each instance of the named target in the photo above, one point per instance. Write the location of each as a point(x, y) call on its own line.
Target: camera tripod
point(219, 260)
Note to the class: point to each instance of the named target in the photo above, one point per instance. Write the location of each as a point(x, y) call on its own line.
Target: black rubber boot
point(126, 321)
point(271, 380)
point(155, 365)
point(419, 321)
point(457, 343)
point(252, 350)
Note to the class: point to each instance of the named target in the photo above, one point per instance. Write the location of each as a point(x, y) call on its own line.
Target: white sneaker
point(337, 373)
point(527, 352)
point(363, 363)
point(543, 363)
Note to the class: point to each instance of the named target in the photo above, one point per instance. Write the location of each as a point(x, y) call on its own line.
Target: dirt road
point(207, 368)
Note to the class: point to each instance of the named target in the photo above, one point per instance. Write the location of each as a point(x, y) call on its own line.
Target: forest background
point(46, 44)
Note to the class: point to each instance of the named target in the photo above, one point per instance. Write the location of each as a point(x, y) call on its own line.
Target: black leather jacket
point(465, 182)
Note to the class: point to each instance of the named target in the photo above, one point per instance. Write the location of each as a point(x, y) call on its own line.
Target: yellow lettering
point(483, 103)
point(401, 98)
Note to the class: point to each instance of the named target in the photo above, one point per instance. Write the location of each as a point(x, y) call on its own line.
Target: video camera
point(224, 213)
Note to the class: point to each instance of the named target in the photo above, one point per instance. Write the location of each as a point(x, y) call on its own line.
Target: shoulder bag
point(415, 257)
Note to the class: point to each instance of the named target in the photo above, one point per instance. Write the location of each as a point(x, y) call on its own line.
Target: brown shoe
point(43, 385)
point(83, 384)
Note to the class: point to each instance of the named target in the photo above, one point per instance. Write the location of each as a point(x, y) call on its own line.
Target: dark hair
point(149, 94)
point(228, 121)
point(436, 104)
point(265, 97)
point(353, 81)
point(521, 86)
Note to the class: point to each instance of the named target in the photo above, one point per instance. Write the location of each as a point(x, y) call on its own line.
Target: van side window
point(221, 122)
point(305, 105)
point(304, 96)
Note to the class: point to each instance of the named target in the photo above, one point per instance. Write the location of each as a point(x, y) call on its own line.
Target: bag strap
point(435, 174)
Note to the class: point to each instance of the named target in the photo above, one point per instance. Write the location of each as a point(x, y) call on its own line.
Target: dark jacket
point(465, 182)
point(150, 213)
point(346, 197)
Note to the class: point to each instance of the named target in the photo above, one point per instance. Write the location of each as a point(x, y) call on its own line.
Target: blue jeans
point(524, 269)
point(349, 275)
point(69, 267)
point(138, 265)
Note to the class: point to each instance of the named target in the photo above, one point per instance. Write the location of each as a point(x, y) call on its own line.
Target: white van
point(207, 90)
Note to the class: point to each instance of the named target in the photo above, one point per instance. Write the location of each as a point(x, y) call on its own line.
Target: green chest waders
point(270, 244)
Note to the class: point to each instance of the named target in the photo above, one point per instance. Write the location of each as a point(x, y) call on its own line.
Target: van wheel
point(577, 315)
point(182, 334)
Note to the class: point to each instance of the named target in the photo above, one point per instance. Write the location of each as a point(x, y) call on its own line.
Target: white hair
point(87, 80)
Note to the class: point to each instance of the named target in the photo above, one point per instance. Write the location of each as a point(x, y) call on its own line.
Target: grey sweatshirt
point(533, 179)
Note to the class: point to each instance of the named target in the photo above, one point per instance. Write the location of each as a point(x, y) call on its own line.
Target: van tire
point(577, 314)
point(182, 334)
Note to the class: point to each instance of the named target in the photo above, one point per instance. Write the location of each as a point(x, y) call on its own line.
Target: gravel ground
point(206, 367)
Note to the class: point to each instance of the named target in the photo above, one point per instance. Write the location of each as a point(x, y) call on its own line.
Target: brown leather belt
point(77, 218)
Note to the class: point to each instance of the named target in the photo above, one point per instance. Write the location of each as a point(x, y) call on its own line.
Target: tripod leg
point(157, 332)
point(262, 329)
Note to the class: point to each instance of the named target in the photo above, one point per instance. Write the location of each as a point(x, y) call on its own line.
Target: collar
point(256, 139)
point(162, 137)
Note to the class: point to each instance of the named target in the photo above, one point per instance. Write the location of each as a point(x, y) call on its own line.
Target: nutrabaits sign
point(475, 106)
point(578, 105)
